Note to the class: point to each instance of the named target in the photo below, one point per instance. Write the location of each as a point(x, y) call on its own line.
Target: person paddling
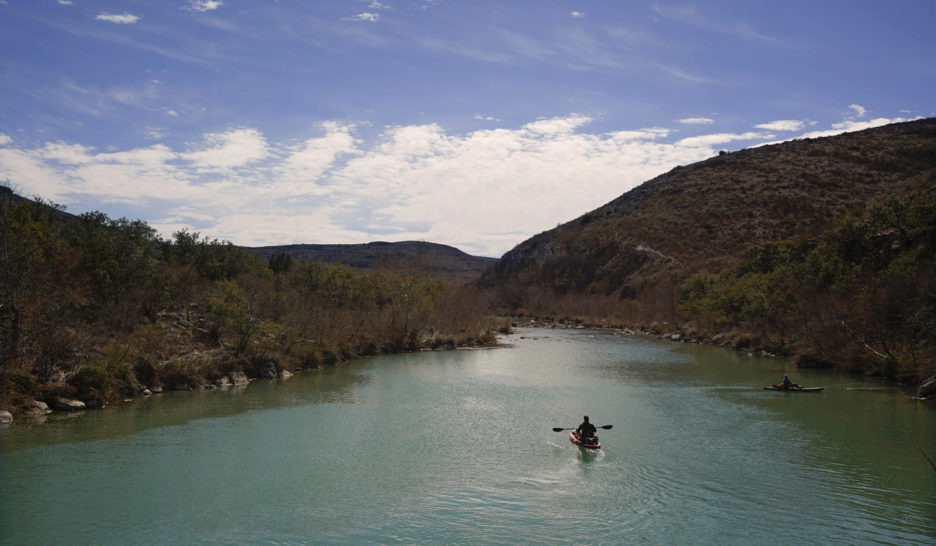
point(787, 384)
point(586, 430)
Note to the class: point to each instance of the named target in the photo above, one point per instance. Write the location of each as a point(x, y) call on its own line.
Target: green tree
point(27, 243)
point(232, 309)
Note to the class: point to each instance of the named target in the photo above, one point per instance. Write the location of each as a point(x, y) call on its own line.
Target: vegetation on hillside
point(100, 309)
point(436, 260)
point(625, 261)
point(862, 297)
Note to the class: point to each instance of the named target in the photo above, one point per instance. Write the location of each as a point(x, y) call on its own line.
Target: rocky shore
point(198, 369)
point(35, 411)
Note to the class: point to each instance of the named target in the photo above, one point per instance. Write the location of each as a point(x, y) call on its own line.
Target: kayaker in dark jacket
point(786, 384)
point(586, 429)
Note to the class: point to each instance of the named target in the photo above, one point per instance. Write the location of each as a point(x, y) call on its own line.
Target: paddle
point(557, 429)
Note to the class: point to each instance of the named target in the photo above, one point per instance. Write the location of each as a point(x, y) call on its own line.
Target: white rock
point(67, 404)
point(37, 408)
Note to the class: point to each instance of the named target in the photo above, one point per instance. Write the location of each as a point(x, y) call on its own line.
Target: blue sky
point(471, 123)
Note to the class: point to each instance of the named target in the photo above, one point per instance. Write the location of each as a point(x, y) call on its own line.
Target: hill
point(627, 259)
point(438, 261)
point(435, 260)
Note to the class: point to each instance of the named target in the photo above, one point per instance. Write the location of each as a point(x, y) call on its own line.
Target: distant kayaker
point(586, 429)
point(787, 384)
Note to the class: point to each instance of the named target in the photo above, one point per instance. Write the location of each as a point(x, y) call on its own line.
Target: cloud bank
point(483, 191)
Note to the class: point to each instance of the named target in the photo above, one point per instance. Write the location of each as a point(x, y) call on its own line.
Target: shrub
point(93, 385)
point(146, 371)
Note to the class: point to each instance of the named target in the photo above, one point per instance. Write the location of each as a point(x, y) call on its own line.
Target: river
point(457, 448)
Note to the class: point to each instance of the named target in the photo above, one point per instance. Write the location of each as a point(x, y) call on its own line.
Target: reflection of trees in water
point(173, 408)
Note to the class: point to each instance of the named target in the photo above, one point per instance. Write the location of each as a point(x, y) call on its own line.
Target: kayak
point(573, 437)
point(797, 389)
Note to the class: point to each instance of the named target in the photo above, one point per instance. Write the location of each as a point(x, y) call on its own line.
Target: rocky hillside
point(628, 257)
point(439, 261)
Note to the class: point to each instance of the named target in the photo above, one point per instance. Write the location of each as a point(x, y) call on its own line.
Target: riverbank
point(179, 353)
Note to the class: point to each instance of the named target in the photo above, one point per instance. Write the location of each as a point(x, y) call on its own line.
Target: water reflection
point(327, 386)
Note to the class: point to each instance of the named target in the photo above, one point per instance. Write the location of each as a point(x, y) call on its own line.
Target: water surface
point(457, 447)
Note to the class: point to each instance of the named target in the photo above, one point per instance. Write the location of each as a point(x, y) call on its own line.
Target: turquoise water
point(457, 447)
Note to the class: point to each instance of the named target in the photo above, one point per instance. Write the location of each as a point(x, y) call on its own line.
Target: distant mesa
point(436, 260)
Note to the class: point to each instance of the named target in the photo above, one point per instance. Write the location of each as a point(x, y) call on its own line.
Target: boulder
point(238, 378)
point(927, 390)
point(5, 417)
point(68, 404)
point(36, 407)
point(285, 374)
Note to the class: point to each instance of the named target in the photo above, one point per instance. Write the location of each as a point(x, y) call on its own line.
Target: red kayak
point(593, 444)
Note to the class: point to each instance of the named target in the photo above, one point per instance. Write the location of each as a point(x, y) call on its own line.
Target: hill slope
point(627, 258)
point(439, 261)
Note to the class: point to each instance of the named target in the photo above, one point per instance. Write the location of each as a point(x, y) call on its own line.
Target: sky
point(471, 123)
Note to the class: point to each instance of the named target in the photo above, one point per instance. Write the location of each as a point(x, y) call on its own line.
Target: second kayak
point(794, 389)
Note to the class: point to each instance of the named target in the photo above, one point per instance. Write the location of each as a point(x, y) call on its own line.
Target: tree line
point(102, 309)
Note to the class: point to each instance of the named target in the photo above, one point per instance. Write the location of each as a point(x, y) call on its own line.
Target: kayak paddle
point(557, 429)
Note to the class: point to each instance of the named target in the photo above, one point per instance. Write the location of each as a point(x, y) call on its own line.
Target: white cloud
point(578, 15)
point(557, 125)
point(783, 125)
point(697, 121)
point(377, 5)
point(122, 19)
point(67, 154)
point(366, 16)
point(838, 128)
point(65, 2)
point(302, 167)
point(229, 150)
point(154, 133)
point(27, 170)
point(483, 191)
point(721, 138)
point(858, 109)
point(851, 125)
point(204, 5)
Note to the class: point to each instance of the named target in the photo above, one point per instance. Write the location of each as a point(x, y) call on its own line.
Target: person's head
point(785, 377)
point(586, 418)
